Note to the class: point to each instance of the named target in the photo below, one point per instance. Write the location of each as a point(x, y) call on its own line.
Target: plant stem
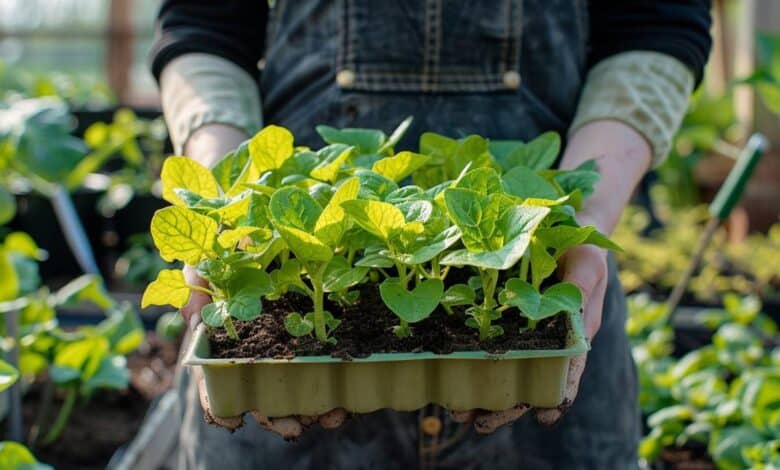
point(489, 279)
point(319, 302)
point(63, 416)
point(230, 328)
point(401, 268)
point(206, 291)
point(524, 267)
point(43, 412)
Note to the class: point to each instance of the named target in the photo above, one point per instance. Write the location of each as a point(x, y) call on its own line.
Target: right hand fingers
point(191, 311)
point(290, 428)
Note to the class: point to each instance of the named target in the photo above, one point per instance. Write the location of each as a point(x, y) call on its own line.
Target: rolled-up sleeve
point(231, 29)
point(205, 58)
point(646, 57)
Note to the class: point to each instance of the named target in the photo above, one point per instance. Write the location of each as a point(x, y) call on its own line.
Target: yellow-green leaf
point(270, 148)
point(228, 238)
point(8, 375)
point(9, 287)
point(333, 222)
point(183, 172)
point(329, 170)
point(23, 244)
point(169, 288)
point(231, 213)
point(378, 218)
point(401, 165)
point(181, 234)
point(306, 246)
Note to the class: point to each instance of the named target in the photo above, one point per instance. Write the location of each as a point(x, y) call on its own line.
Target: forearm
point(622, 156)
point(211, 142)
point(200, 91)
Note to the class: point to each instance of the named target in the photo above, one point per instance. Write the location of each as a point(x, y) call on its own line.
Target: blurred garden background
point(81, 145)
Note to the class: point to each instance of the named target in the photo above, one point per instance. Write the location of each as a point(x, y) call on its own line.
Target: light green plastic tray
point(402, 381)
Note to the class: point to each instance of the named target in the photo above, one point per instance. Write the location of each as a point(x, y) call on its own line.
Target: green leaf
point(169, 288)
point(518, 225)
point(8, 375)
point(332, 158)
point(7, 205)
point(111, 374)
point(538, 154)
point(378, 218)
point(295, 208)
point(374, 186)
point(375, 260)
point(22, 243)
point(563, 237)
point(524, 183)
point(726, 445)
point(339, 275)
point(9, 288)
point(543, 264)
point(458, 294)
point(396, 136)
point(599, 239)
point(562, 297)
point(288, 274)
point(583, 178)
point(400, 165)
point(185, 173)
point(229, 238)
point(518, 293)
point(297, 325)
point(271, 148)
point(181, 234)
point(87, 287)
point(483, 181)
point(412, 306)
point(306, 247)
point(229, 169)
point(82, 358)
point(245, 306)
point(365, 140)
point(15, 456)
point(433, 247)
point(250, 280)
point(333, 222)
point(214, 314)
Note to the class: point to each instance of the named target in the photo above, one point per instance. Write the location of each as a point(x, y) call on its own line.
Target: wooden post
point(119, 53)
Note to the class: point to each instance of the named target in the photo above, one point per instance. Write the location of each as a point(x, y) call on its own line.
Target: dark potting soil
point(691, 457)
point(110, 418)
point(366, 328)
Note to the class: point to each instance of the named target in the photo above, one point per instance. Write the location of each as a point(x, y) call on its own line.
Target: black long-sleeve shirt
point(235, 30)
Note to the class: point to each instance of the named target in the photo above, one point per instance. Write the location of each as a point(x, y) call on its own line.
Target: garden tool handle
point(720, 208)
point(731, 192)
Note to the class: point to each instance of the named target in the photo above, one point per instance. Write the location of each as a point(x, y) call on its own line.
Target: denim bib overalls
point(504, 69)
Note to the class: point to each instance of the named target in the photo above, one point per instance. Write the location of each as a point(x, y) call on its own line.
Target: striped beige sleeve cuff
point(199, 89)
point(649, 91)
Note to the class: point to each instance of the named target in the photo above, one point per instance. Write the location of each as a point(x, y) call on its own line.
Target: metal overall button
point(345, 78)
point(511, 79)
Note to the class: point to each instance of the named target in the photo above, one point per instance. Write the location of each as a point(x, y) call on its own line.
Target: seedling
point(274, 220)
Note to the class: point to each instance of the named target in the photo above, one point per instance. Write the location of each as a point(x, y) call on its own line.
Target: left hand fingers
point(488, 422)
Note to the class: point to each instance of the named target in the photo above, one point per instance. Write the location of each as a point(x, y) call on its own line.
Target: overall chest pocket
point(429, 46)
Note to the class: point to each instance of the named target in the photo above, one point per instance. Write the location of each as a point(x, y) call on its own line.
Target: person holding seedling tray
point(405, 299)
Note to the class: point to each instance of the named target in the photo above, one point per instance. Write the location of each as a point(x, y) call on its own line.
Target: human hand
point(586, 267)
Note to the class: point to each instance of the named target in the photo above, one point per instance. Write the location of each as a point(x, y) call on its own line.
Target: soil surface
point(367, 328)
point(690, 457)
point(110, 419)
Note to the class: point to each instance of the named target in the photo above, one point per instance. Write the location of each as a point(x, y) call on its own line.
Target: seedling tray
point(312, 385)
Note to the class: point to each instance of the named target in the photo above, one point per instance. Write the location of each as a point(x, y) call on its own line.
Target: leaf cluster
point(272, 219)
point(725, 394)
